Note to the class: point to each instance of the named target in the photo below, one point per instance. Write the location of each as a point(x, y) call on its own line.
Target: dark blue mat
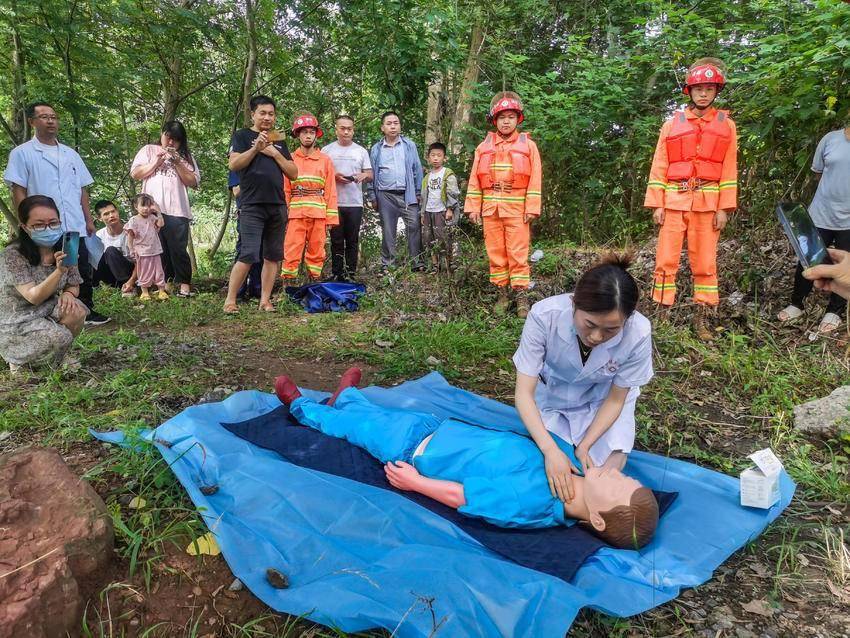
point(558, 551)
point(327, 296)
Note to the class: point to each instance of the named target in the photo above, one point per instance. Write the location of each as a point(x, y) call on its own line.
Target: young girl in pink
point(143, 235)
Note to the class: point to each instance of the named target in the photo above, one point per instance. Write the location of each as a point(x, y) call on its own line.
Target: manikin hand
point(559, 471)
point(402, 476)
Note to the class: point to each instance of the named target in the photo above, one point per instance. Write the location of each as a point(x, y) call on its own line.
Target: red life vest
point(695, 153)
point(520, 159)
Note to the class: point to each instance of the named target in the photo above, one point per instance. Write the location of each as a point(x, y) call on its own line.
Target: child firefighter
point(693, 186)
point(504, 192)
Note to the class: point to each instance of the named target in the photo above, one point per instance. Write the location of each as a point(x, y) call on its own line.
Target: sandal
point(789, 313)
point(268, 307)
point(829, 323)
point(231, 309)
point(184, 295)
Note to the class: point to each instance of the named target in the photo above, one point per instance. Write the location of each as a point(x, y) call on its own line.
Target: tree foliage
point(598, 80)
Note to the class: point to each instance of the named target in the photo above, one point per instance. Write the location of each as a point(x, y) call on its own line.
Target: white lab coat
point(568, 394)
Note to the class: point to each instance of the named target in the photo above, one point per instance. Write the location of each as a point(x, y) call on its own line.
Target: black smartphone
point(350, 178)
point(802, 233)
point(71, 248)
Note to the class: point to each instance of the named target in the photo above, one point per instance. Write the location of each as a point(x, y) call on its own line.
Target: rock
point(827, 416)
point(433, 361)
point(236, 585)
point(277, 579)
point(5, 434)
point(56, 540)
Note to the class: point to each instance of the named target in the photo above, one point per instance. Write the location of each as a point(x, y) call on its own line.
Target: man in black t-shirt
point(261, 163)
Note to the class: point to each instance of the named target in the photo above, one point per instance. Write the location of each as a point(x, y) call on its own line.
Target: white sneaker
point(789, 313)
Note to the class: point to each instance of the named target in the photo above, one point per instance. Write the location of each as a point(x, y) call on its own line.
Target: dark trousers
point(113, 269)
point(802, 287)
point(253, 282)
point(345, 241)
point(87, 275)
point(391, 207)
point(174, 237)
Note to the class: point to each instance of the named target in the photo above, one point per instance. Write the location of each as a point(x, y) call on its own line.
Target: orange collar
point(501, 140)
point(315, 155)
point(706, 117)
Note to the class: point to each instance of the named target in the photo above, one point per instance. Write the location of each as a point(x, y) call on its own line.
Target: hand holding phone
point(802, 234)
point(71, 248)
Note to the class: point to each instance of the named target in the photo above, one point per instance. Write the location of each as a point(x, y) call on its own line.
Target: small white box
point(760, 484)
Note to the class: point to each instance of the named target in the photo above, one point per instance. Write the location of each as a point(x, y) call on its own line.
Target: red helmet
point(304, 121)
point(505, 101)
point(706, 73)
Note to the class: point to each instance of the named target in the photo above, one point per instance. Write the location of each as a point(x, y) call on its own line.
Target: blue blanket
point(327, 296)
point(360, 557)
point(557, 551)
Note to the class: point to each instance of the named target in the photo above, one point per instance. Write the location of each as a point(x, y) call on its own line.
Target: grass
point(712, 403)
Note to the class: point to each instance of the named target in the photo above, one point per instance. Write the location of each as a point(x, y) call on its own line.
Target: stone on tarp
point(56, 540)
point(827, 416)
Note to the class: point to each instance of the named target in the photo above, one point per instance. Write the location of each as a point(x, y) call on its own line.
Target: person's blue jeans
point(388, 434)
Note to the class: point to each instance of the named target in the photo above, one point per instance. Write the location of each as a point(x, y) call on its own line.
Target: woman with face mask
point(580, 364)
point(39, 311)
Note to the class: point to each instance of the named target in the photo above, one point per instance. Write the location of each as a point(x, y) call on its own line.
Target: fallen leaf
point(383, 344)
point(205, 544)
point(760, 570)
point(759, 607)
point(137, 503)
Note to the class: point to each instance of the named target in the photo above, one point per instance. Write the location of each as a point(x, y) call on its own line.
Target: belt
point(502, 187)
point(692, 184)
point(401, 192)
point(300, 191)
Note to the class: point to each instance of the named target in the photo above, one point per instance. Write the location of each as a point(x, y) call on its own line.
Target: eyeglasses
point(52, 226)
point(47, 118)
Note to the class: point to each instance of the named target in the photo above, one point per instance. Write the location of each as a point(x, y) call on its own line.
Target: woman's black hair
point(608, 286)
point(177, 132)
point(24, 243)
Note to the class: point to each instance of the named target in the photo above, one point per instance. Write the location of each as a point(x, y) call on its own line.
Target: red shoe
point(349, 379)
point(286, 389)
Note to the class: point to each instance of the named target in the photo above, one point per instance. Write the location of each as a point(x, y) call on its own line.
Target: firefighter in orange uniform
point(311, 200)
point(504, 192)
point(693, 186)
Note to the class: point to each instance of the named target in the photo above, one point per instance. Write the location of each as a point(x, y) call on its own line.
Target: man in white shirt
point(45, 166)
point(116, 266)
point(352, 166)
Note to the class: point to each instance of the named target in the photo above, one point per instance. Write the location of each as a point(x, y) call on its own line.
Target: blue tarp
point(360, 557)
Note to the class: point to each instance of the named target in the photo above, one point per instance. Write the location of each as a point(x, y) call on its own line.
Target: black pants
point(802, 287)
point(174, 237)
point(87, 275)
point(345, 241)
point(113, 269)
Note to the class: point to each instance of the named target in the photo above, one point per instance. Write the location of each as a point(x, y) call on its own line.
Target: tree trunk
point(242, 106)
point(171, 88)
point(20, 125)
point(463, 110)
point(251, 64)
point(434, 118)
point(191, 248)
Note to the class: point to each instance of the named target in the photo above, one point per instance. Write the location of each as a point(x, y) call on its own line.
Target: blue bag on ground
point(327, 296)
point(360, 557)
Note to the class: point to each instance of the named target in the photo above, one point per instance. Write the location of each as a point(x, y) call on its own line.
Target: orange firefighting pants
point(507, 241)
point(304, 232)
point(702, 256)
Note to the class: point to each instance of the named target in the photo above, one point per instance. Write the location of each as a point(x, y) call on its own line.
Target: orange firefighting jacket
point(695, 167)
point(313, 192)
point(506, 177)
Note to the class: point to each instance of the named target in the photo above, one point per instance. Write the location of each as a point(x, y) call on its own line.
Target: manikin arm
point(404, 476)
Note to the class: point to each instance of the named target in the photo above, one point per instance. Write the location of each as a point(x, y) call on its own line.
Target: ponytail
point(608, 286)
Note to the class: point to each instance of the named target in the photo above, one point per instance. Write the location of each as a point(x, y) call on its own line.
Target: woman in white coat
point(580, 364)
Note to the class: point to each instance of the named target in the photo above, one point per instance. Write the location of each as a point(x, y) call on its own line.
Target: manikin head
point(620, 510)
point(604, 298)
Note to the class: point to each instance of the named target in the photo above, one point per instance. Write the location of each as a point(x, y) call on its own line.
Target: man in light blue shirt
point(395, 191)
point(45, 166)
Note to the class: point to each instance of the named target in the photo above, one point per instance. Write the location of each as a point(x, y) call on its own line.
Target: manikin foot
point(286, 390)
point(350, 379)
